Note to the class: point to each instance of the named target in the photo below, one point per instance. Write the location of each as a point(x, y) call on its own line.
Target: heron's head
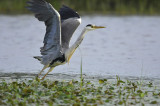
point(91, 27)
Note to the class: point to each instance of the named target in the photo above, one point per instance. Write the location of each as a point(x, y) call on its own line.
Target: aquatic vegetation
point(120, 7)
point(102, 91)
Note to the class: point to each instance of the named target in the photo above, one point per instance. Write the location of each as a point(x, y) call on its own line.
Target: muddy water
point(129, 46)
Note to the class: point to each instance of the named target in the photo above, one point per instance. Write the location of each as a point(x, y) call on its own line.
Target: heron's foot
point(46, 66)
point(47, 72)
point(43, 77)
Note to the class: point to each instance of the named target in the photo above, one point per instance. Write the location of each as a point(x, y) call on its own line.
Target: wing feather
point(52, 41)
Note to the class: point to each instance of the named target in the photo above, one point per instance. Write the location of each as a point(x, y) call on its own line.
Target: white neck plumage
point(71, 50)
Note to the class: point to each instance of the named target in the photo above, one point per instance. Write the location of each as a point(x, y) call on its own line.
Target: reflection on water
point(129, 46)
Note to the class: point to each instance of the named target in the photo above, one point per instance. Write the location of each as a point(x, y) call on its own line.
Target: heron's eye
point(89, 25)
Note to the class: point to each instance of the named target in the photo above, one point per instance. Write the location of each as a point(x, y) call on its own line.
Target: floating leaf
point(153, 102)
point(101, 81)
point(120, 102)
point(107, 100)
point(142, 95)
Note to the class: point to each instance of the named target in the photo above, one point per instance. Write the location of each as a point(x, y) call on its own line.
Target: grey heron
point(60, 27)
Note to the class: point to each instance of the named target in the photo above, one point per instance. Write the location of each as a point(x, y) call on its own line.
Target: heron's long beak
point(97, 27)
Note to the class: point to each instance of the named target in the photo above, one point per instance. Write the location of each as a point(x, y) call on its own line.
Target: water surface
point(129, 46)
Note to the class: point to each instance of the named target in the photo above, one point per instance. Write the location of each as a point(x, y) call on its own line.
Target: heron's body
point(60, 27)
point(58, 61)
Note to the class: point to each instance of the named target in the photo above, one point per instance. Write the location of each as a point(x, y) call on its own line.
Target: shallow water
point(129, 46)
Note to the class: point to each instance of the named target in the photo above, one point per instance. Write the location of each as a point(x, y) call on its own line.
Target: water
point(129, 46)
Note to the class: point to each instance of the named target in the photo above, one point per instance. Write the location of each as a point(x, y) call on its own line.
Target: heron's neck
point(72, 49)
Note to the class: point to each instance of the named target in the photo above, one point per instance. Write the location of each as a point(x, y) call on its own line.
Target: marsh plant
point(97, 92)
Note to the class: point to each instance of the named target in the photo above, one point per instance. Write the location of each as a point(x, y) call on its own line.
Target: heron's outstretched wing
point(70, 20)
point(52, 40)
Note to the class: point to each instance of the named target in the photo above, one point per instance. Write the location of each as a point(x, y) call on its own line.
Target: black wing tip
point(66, 12)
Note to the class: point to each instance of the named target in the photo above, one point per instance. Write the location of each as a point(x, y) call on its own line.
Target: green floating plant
point(97, 92)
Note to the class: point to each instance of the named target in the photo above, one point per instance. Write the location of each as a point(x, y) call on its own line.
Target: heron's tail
point(38, 57)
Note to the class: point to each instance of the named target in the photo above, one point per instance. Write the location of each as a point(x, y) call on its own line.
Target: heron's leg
point(48, 72)
point(46, 66)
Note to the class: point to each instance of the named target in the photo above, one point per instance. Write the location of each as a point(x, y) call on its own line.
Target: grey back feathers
point(59, 28)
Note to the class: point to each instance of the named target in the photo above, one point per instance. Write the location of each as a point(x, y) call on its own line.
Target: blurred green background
point(111, 7)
